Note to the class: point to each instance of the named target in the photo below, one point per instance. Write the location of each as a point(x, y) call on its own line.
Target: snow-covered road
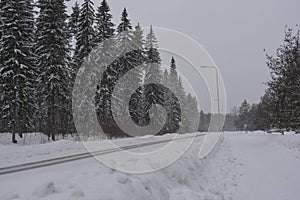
point(266, 169)
point(253, 166)
point(187, 178)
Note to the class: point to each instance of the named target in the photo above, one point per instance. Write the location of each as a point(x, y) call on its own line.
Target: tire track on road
point(70, 158)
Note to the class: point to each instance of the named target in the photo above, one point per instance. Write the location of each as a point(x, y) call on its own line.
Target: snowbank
point(28, 139)
point(240, 164)
point(188, 178)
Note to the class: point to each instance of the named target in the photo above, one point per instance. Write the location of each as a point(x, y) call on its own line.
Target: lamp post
point(217, 82)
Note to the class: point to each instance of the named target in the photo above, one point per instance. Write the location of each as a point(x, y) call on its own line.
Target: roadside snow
point(253, 166)
point(33, 148)
point(28, 139)
point(267, 166)
point(188, 178)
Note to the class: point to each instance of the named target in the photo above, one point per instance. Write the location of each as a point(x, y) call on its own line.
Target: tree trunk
point(14, 138)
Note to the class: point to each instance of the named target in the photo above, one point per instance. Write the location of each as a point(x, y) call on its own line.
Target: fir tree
point(17, 69)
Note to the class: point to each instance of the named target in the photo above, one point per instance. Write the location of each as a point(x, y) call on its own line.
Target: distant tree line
point(206, 118)
point(253, 117)
point(41, 53)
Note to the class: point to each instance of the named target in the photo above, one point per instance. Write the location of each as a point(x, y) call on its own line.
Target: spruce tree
point(104, 26)
point(85, 42)
point(153, 60)
point(17, 69)
point(263, 118)
point(173, 108)
point(52, 54)
point(203, 122)
point(173, 73)
point(74, 19)
point(166, 78)
point(110, 82)
point(243, 115)
point(181, 95)
point(193, 113)
point(127, 66)
point(106, 48)
point(153, 77)
point(138, 101)
point(86, 34)
point(73, 26)
point(284, 85)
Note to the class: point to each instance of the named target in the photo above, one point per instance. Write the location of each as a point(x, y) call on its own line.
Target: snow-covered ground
point(267, 166)
point(242, 166)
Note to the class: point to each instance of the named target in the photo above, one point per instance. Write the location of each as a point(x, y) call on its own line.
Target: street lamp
point(217, 82)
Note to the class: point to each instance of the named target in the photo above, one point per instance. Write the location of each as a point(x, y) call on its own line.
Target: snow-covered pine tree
point(166, 78)
point(263, 116)
point(138, 40)
point(181, 95)
point(106, 47)
point(40, 115)
point(127, 66)
point(153, 60)
point(73, 22)
point(193, 113)
point(3, 125)
point(1, 21)
point(17, 71)
point(104, 26)
point(86, 33)
point(284, 85)
point(84, 44)
point(243, 115)
point(138, 101)
point(203, 122)
point(52, 56)
point(73, 26)
point(172, 101)
point(173, 73)
point(153, 77)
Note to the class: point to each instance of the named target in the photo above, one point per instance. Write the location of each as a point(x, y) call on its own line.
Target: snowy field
point(249, 166)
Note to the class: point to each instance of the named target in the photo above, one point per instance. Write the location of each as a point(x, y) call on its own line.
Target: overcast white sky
point(234, 32)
